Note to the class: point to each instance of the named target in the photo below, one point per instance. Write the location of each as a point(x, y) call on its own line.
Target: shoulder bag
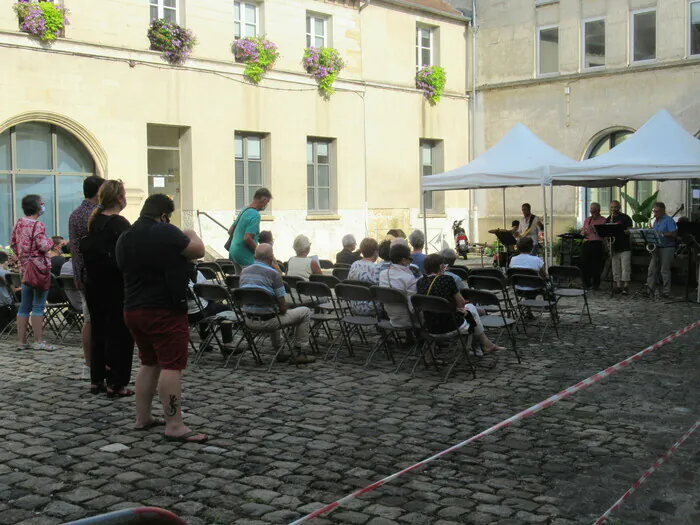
point(34, 276)
point(227, 245)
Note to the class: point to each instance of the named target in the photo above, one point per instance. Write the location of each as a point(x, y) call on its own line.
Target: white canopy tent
point(519, 159)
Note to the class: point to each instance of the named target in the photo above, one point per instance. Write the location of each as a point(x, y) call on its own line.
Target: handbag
point(34, 276)
point(227, 246)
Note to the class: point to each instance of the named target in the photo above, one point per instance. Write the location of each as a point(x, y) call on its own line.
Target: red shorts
point(162, 336)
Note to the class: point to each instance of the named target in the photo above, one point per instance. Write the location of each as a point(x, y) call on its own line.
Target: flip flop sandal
point(125, 392)
point(96, 389)
point(495, 348)
point(155, 422)
point(183, 438)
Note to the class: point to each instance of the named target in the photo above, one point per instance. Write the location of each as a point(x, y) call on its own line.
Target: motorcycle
point(461, 241)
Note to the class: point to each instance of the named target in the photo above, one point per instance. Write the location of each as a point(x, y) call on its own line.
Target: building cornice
point(598, 73)
point(420, 8)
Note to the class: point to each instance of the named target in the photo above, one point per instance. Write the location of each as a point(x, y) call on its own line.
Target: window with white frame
point(594, 43)
point(430, 164)
point(246, 19)
point(643, 35)
point(165, 9)
point(547, 50)
point(249, 159)
point(319, 176)
point(694, 32)
point(317, 34)
point(425, 46)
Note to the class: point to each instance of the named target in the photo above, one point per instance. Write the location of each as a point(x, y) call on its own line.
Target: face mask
point(42, 209)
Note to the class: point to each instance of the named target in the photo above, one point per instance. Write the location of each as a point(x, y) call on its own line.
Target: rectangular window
point(430, 162)
point(547, 50)
point(425, 37)
point(594, 43)
point(695, 28)
point(319, 176)
point(643, 33)
point(317, 31)
point(246, 19)
point(249, 173)
point(166, 9)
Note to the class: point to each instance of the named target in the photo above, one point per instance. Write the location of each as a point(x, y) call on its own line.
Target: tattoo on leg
point(172, 406)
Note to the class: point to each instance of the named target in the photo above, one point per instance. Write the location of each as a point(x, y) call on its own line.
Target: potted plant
point(175, 42)
point(324, 64)
point(258, 54)
point(431, 80)
point(41, 18)
point(641, 213)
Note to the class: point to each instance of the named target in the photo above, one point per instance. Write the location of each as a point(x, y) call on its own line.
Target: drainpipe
point(474, 223)
point(365, 4)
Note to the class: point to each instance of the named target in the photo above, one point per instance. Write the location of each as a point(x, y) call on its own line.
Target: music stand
point(649, 239)
point(689, 233)
point(609, 232)
point(505, 237)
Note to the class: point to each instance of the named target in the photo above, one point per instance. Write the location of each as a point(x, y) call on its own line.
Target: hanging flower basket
point(41, 18)
point(324, 65)
point(431, 79)
point(258, 54)
point(175, 42)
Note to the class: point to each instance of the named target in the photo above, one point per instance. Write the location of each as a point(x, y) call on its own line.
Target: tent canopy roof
point(520, 158)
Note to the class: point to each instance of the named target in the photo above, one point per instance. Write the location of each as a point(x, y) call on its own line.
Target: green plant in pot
point(641, 213)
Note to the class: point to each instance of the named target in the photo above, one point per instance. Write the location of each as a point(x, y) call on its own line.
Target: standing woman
point(112, 345)
point(31, 245)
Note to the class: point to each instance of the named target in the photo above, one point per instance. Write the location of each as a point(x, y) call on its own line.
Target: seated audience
point(436, 284)
point(302, 265)
point(348, 255)
point(262, 276)
point(366, 269)
point(56, 253)
point(395, 233)
point(417, 240)
point(384, 251)
point(7, 303)
point(265, 237)
point(525, 260)
point(449, 256)
point(196, 311)
point(400, 277)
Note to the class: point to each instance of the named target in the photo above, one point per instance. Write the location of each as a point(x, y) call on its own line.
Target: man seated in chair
point(262, 276)
point(436, 284)
point(524, 259)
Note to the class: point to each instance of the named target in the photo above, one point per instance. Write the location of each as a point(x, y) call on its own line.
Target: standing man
point(245, 231)
point(530, 226)
point(621, 249)
point(77, 229)
point(154, 256)
point(662, 257)
point(592, 252)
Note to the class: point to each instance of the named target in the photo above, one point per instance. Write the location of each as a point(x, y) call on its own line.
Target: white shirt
point(400, 278)
point(192, 306)
point(525, 260)
point(300, 267)
point(534, 233)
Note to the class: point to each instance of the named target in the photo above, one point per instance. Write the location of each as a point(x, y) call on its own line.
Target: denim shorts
point(33, 301)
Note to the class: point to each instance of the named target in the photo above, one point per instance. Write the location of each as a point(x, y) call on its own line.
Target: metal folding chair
point(459, 271)
point(423, 304)
point(233, 282)
point(347, 295)
point(57, 306)
point(563, 278)
point(537, 286)
point(73, 317)
point(341, 273)
point(322, 296)
point(12, 281)
point(325, 264)
point(341, 265)
point(396, 298)
point(487, 272)
point(297, 299)
point(227, 268)
point(209, 274)
point(355, 282)
point(498, 286)
point(499, 320)
point(214, 293)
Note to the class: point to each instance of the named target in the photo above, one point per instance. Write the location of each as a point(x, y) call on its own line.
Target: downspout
point(474, 223)
point(364, 117)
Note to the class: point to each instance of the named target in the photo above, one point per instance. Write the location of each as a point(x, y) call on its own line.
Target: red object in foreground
point(140, 516)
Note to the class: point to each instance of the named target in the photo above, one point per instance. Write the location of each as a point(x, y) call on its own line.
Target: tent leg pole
point(544, 219)
point(504, 208)
point(551, 225)
point(425, 221)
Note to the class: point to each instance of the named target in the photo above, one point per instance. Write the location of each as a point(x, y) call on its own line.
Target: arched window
point(47, 160)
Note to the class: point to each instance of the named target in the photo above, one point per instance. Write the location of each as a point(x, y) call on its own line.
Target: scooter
point(461, 241)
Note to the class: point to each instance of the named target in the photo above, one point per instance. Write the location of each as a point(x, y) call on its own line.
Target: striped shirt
point(261, 276)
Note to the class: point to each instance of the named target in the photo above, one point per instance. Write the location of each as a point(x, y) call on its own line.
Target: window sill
point(433, 215)
point(322, 217)
point(646, 62)
point(539, 3)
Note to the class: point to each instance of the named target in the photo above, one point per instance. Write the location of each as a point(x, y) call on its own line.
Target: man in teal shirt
point(662, 257)
point(245, 231)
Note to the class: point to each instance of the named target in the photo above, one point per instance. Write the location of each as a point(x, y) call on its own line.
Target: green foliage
point(641, 213)
point(258, 54)
point(41, 18)
point(324, 64)
point(53, 20)
point(431, 80)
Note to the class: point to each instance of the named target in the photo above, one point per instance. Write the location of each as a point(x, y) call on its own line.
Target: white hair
point(417, 239)
point(399, 240)
point(449, 255)
point(301, 244)
point(349, 240)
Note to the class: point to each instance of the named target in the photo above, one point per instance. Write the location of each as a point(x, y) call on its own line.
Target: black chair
point(563, 279)
point(297, 299)
point(223, 261)
point(341, 273)
point(12, 281)
point(526, 288)
point(209, 274)
point(521, 271)
point(459, 271)
point(243, 297)
point(73, 317)
point(347, 295)
point(341, 265)
point(355, 282)
point(322, 296)
point(228, 268)
point(499, 286)
point(325, 264)
point(499, 320)
point(329, 280)
point(396, 299)
point(487, 272)
point(233, 282)
point(423, 304)
point(57, 308)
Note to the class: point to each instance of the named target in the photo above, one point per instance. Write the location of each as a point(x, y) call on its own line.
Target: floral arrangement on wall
point(175, 42)
point(431, 80)
point(258, 54)
point(324, 64)
point(41, 18)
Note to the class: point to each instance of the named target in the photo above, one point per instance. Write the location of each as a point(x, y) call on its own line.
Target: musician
point(662, 257)
point(530, 226)
point(621, 249)
point(592, 256)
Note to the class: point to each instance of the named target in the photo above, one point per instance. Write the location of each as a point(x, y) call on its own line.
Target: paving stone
point(62, 509)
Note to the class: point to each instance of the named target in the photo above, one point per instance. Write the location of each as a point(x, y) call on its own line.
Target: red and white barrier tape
point(648, 473)
point(503, 424)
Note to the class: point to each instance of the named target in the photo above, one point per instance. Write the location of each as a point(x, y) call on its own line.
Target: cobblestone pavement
point(285, 442)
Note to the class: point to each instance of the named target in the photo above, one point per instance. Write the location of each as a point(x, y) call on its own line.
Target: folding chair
point(497, 320)
point(487, 272)
point(211, 271)
point(341, 265)
point(73, 318)
point(537, 286)
point(520, 271)
point(561, 275)
point(244, 297)
point(499, 286)
point(329, 280)
point(423, 304)
point(223, 261)
point(227, 268)
point(11, 281)
point(322, 296)
point(214, 293)
point(459, 271)
point(391, 296)
point(325, 264)
point(298, 300)
point(347, 295)
point(355, 282)
point(341, 273)
point(233, 282)
point(57, 306)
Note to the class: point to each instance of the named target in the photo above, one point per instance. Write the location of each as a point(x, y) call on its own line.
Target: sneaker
point(44, 346)
point(25, 346)
point(478, 352)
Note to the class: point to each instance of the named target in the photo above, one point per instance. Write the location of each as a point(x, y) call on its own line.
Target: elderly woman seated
point(348, 255)
point(436, 284)
point(302, 265)
point(367, 270)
